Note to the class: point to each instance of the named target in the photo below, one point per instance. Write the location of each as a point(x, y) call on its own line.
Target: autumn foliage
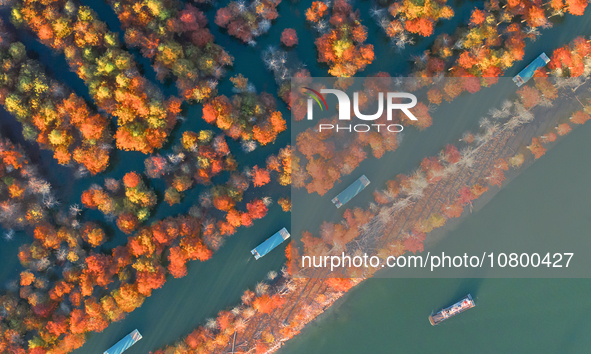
point(129, 200)
point(176, 39)
point(281, 164)
point(131, 272)
point(289, 37)
point(271, 298)
point(50, 113)
point(247, 21)
point(536, 148)
point(490, 43)
point(260, 177)
point(144, 119)
point(25, 198)
point(342, 46)
point(569, 59)
point(72, 284)
point(247, 116)
point(322, 158)
point(408, 16)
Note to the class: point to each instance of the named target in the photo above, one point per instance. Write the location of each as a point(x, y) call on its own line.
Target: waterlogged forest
point(140, 139)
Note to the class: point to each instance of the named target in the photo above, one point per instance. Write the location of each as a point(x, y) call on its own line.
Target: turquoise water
point(183, 304)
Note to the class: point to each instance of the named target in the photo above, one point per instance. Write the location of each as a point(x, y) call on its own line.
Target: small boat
point(270, 243)
point(465, 303)
point(124, 343)
point(527, 73)
point(351, 191)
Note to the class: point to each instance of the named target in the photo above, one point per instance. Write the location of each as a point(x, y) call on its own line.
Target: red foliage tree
point(195, 249)
point(78, 321)
point(58, 326)
point(316, 11)
point(149, 280)
point(452, 154)
point(128, 298)
point(496, 177)
point(60, 289)
point(127, 222)
point(536, 148)
point(121, 257)
point(563, 129)
point(289, 37)
point(548, 138)
point(196, 338)
point(465, 196)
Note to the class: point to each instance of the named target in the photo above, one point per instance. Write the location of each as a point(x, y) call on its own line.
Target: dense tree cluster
point(247, 116)
point(129, 200)
point(284, 90)
point(334, 238)
point(289, 37)
point(340, 44)
point(24, 196)
point(572, 60)
point(537, 148)
point(404, 190)
point(198, 158)
point(475, 55)
point(490, 43)
point(144, 117)
point(53, 313)
point(175, 37)
point(282, 165)
point(69, 286)
point(50, 113)
point(401, 192)
point(411, 16)
point(285, 204)
point(536, 13)
point(91, 289)
point(247, 21)
point(483, 49)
